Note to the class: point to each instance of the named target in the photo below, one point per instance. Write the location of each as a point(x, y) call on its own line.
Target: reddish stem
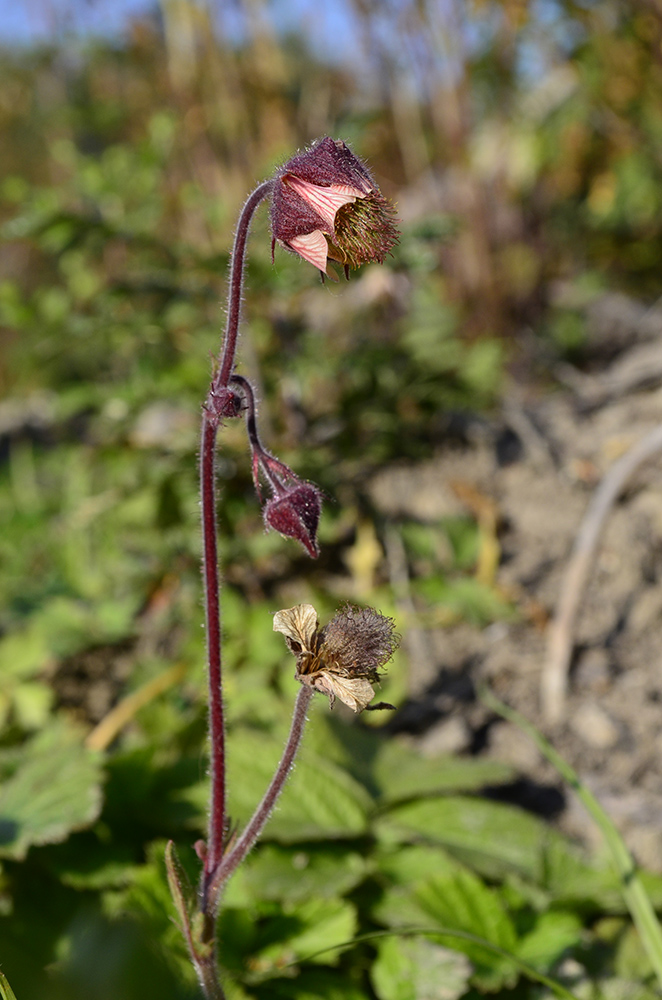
point(210, 425)
point(236, 280)
point(256, 824)
point(213, 631)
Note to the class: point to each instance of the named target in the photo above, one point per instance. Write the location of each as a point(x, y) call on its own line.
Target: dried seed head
point(342, 660)
point(326, 204)
point(358, 642)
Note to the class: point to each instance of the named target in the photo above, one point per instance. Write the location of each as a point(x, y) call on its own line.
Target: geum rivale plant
point(324, 205)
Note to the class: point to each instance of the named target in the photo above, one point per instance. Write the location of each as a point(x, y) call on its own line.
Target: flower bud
point(295, 513)
point(223, 402)
point(326, 204)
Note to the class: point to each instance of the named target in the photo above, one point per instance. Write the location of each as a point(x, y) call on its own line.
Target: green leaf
point(85, 861)
point(55, 790)
point(634, 892)
point(323, 925)
point(553, 934)
point(407, 865)
point(416, 968)
point(320, 799)
point(403, 774)
point(148, 900)
point(489, 836)
point(291, 874)
point(185, 900)
point(461, 900)
point(6, 992)
point(458, 900)
point(311, 984)
point(258, 949)
point(465, 598)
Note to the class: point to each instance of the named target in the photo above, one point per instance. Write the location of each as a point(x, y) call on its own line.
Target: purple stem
point(210, 425)
point(260, 455)
point(254, 827)
point(236, 281)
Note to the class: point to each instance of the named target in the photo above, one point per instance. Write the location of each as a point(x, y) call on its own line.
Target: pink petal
point(312, 247)
point(324, 200)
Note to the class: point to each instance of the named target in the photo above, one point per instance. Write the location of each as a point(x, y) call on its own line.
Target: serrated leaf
point(324, 925)
point(458, 900)
point(291, 874)
point(320, 800)
point(84, 862)
point(554, 933)
point(402, 774)
point(607, 988)
point(407, 865)
point(489, 836)
point(312, 931)
point(55, 790)
point(416, 968)
point(312, 984)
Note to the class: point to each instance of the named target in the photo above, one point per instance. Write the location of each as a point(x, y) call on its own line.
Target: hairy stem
point(236, 282)
point(213, 632)
point(254, 827)
point(207, 970)
point(210, 425)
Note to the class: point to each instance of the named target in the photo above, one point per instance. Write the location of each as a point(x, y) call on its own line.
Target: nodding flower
point(295, 513)
point(325, 204)
point(295, 506)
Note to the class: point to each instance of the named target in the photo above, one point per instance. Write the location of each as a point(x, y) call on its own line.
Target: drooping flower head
point(295, 513)
point(343, 659)
point(326, 204)
point(294, 508)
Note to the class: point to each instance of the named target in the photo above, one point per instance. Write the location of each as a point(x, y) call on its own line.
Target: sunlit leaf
point(294, 874)
point(415, 968)
point(404, 774)
point(492, 837)
point(319, 799)
point(56, 789)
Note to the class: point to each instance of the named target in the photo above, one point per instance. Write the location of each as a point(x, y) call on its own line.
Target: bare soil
point(538, 463)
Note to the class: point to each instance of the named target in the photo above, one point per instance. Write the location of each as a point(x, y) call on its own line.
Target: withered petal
point(298, 624)
point(356, 692)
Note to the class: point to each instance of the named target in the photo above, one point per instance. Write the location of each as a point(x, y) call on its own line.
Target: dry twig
point(553, 682)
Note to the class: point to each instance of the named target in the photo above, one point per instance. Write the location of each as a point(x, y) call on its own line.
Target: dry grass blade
point(112, 724)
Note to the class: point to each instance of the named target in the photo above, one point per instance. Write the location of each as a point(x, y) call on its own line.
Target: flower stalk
point(325, 205)
point(248, 838)
point(221, 402)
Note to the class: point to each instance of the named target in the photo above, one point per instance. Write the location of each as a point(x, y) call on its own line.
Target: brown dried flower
point(326, 204)
point(343, 659)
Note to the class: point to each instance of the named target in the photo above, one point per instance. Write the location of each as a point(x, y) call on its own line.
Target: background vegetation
point(523, 144)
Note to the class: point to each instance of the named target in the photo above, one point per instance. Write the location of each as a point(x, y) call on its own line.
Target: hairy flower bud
point(326, 204)
point(343, 659)
point(295, 514)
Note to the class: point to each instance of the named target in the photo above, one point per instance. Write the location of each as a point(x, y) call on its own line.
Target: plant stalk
point(210, 423)
point(256, 824)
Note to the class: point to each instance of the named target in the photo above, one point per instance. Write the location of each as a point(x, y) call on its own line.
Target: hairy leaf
point(56, 789)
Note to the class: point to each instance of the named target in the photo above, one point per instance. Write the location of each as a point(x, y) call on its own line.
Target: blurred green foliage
point(527, 156)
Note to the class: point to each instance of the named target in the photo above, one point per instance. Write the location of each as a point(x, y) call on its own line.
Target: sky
point(26, 21)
